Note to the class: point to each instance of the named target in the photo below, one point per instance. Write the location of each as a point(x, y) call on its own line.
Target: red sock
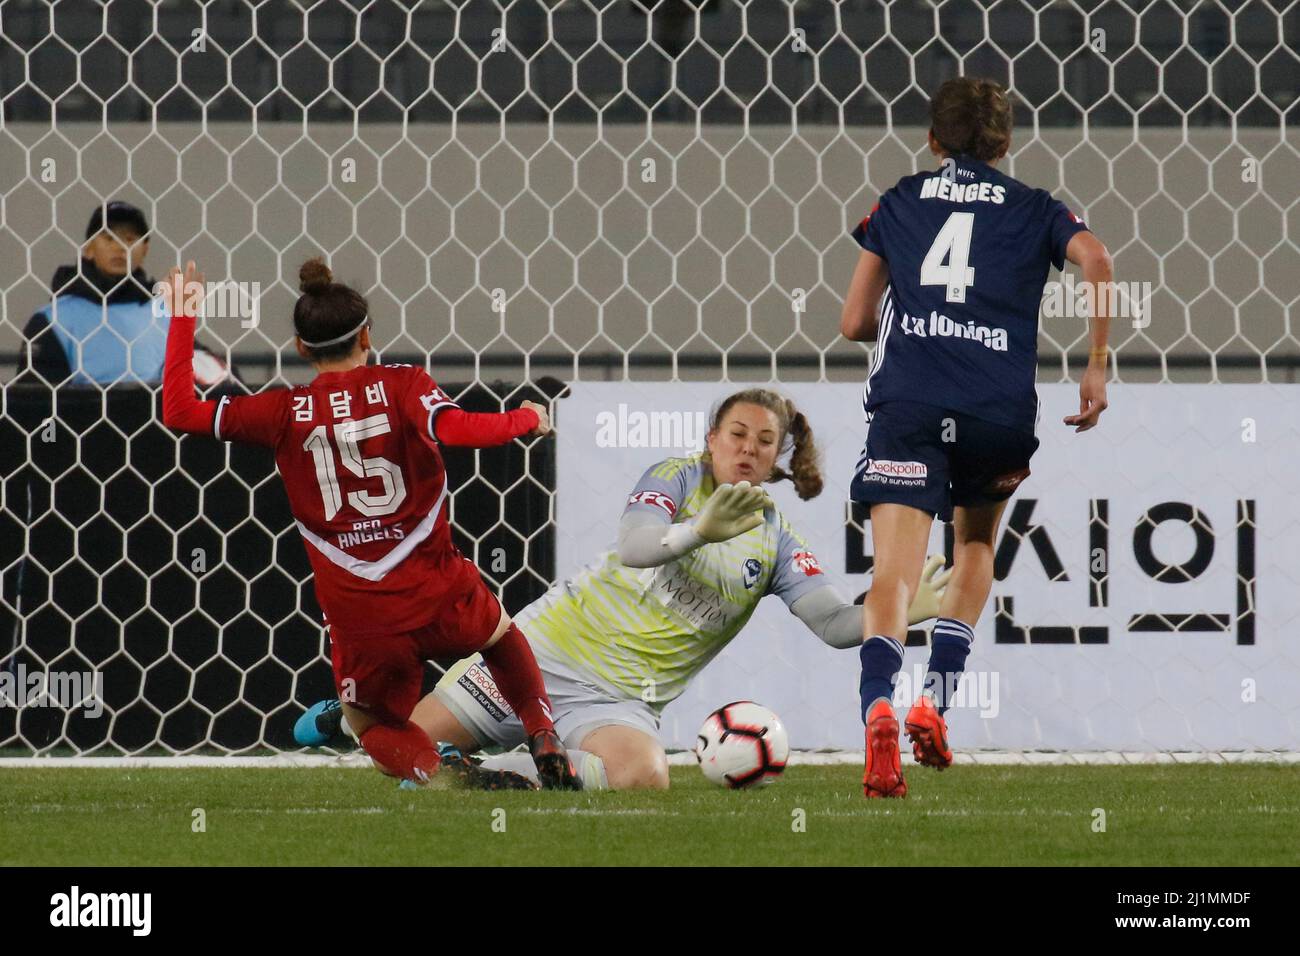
point(405, 752)
point(515, 671)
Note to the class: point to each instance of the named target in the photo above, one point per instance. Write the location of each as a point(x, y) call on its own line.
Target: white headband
point(339, 338)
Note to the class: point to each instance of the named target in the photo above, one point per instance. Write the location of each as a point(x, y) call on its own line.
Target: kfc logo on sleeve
point(806, 563)
point(656, 498)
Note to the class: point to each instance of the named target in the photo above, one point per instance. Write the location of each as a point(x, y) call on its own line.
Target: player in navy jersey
point(949, 284)
point(357, 449)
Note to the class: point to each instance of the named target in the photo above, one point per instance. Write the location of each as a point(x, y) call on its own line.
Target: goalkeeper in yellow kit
point(699, 544)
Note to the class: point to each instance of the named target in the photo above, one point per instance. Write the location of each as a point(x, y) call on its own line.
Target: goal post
point(624, 203)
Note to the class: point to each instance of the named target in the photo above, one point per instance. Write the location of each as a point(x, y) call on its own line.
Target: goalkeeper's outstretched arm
point(839, 624)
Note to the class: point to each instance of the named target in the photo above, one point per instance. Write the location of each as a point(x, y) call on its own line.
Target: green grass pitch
point(1203, 814)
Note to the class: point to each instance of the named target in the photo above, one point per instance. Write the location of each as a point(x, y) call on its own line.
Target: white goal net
point(543, 194)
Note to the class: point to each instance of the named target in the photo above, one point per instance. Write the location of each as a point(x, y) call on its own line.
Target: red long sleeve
point(455, 426)
point(182, 410)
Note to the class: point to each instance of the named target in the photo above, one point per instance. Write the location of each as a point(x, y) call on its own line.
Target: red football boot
point(554, 769)
point(928, 732)
point(883, 775)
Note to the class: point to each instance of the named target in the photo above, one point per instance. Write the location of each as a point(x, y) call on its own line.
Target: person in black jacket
point(102, 325)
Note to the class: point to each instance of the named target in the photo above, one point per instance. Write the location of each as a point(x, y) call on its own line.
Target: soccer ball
point(742, 745)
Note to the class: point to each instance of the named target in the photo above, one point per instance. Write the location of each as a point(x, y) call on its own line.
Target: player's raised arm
point(182, 411)
point(1088, 252)
point(255, 419)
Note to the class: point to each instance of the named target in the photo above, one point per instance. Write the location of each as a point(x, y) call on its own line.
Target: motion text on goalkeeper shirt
point(702, 606)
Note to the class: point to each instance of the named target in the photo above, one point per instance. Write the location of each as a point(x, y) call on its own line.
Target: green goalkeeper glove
point(731, 510)
point(929, 592)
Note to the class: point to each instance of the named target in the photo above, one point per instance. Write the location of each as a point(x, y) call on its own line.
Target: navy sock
point(882, 658)
point(949, 644)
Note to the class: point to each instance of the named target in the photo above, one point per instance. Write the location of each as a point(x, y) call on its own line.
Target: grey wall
point(703, 261)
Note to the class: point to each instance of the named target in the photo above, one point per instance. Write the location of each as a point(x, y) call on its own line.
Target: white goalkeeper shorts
point(577, 706)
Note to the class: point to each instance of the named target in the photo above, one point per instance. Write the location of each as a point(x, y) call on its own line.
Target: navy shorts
point(932, 459)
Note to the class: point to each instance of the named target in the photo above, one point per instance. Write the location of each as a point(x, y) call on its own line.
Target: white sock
point(589, 768)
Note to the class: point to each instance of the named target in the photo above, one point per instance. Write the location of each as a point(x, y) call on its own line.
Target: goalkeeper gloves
point(731, 510)
point(929, 592)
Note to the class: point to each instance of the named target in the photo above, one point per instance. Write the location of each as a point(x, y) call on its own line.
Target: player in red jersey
point(357, 449)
